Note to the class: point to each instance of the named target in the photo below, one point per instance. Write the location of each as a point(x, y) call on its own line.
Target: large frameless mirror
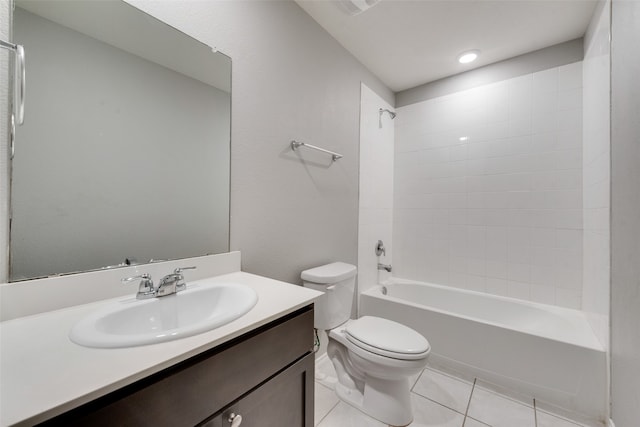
point(124, 153)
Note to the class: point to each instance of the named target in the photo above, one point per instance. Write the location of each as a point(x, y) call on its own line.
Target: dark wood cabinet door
point(285, 400)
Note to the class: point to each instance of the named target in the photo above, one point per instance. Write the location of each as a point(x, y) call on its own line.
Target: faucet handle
point(181, 285)
point(144, 277)
point(181, 269)
point(145, 288)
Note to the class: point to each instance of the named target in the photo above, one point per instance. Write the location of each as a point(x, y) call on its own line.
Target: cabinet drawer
point(190, 392)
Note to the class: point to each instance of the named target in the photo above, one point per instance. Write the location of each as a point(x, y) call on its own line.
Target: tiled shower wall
point(488, 188)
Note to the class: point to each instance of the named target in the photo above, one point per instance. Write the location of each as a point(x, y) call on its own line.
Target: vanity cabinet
point(265, 376)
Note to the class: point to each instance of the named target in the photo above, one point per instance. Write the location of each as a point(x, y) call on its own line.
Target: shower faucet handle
point(380, 250)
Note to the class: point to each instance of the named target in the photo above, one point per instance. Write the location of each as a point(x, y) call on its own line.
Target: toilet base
point(374, 384)
point(385, 400)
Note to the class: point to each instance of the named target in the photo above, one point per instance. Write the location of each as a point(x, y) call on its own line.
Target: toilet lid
point(387, 338)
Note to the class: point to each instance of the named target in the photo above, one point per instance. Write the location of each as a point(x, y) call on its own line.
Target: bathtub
point(545, 352)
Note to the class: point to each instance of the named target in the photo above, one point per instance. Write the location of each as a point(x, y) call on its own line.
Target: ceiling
point(407, 43)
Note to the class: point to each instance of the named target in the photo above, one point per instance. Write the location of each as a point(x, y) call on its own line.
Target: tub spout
point(385, 267)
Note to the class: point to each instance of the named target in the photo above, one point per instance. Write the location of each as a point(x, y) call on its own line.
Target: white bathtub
point(546, 352)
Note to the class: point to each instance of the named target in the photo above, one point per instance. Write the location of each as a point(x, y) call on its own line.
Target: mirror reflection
point(124, 153)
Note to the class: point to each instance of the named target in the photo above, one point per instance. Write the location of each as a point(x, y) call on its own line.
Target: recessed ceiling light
point(466, 57)
point(463, 138)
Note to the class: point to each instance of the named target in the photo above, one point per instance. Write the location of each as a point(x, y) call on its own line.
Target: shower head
point(391, 113)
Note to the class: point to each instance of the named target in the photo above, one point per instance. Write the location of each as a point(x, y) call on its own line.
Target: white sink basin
point(201, 307)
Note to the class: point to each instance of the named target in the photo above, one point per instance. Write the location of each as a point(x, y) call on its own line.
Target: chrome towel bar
point(295, 144)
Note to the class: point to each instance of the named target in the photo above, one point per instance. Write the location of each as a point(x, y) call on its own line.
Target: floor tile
point(548, 420)
point(324, 365)
point(499, 411)
point(448, 391)
point(512, 394)
point(325, 401)
point(470, 422)
point(582, 421)
point(437, 395)
point(414, 378)
point(325, 373)
point(343, 415)
point(430, 414)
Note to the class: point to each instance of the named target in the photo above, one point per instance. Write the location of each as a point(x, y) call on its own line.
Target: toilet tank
point(337, 280)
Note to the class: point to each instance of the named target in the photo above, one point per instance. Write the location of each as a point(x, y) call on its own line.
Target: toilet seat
point(387, 338)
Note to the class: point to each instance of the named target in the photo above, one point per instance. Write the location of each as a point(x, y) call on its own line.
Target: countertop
point(43, 373)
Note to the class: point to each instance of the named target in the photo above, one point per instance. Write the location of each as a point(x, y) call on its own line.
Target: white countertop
point(43, 373)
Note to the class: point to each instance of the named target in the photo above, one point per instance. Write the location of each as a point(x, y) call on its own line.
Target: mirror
point(124, 154)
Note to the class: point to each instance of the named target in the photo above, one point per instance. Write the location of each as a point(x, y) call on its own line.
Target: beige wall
point(539, 60)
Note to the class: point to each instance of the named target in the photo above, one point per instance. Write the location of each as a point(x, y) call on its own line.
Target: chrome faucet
point(172, 283)
point(385, 267)
point(169, 284)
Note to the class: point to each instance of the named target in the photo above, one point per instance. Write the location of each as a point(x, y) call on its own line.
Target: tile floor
point(439, 399)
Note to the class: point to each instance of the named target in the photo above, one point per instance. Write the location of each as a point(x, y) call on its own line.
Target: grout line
point(504, 394)
point(535, 413)
point(466, 411)
point(436, 402)
point(418, 379)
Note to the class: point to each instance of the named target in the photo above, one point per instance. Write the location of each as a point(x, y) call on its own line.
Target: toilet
point(373, 357)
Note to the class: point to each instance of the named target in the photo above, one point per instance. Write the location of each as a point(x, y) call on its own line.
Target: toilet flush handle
point(331, 287)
